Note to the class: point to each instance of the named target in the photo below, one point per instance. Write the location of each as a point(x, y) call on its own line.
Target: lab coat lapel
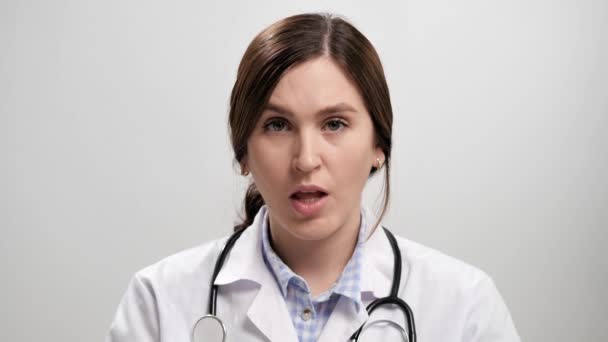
point(343, 322)
point(378, 261)
point(267, 311)
point(376, 280)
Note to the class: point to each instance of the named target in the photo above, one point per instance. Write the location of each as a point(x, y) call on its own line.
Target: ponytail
point(253, 202)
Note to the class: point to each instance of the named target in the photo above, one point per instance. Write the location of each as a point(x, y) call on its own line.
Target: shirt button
point(306, 314)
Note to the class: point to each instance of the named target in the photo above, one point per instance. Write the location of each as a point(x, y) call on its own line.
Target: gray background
point(114, 148)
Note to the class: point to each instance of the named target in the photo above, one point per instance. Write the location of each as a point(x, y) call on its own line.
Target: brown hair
point(289, 42)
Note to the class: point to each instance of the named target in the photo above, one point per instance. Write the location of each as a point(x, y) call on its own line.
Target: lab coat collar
point(377, 275)
point(246, 263)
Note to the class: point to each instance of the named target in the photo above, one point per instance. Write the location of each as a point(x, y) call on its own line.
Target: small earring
point(379, 163)
point(244, 172)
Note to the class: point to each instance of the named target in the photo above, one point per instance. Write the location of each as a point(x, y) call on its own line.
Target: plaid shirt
point(308, 314)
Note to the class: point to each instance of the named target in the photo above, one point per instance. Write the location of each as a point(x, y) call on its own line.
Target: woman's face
point(316, 131)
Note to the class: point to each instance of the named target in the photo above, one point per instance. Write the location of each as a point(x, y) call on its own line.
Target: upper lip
point(308, 188)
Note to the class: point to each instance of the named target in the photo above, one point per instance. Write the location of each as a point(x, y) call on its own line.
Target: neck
point(319, 262)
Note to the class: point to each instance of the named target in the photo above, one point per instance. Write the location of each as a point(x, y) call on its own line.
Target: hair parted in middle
point(292, 41)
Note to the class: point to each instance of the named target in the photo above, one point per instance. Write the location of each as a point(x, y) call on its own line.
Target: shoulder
point(435, 276)
point(436, 265)
point(155, 292)
point(190, 265)
point(448, 290)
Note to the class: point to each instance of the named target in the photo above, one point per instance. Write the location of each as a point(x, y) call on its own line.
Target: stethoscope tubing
point(392, 298)
point(212, 308)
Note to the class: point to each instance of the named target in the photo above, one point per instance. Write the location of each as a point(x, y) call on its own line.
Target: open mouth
point(308, 203)
point(308, 197)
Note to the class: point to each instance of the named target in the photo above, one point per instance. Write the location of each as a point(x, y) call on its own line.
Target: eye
point(275, 125)
point(335, 124)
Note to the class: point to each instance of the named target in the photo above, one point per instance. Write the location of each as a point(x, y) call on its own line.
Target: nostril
point(306, 165)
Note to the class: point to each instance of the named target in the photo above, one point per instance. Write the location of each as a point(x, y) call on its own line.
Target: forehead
point(315, 84)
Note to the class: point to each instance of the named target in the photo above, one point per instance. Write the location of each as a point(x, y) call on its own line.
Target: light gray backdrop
point(114, 150)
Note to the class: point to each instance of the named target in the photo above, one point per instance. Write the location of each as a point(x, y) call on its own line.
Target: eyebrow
point(337, 108)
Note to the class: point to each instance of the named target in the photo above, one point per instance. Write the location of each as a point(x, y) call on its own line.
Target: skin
point(296, 142)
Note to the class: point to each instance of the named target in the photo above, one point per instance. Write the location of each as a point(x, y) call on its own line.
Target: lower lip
point(309, 208)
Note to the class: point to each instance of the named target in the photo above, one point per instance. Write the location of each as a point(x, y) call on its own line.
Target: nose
point(306, 155)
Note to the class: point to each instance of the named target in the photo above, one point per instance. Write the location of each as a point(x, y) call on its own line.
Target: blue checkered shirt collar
point(349, 283)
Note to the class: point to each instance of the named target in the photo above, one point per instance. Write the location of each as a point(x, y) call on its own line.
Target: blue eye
point(335, 124)
point(275, 125)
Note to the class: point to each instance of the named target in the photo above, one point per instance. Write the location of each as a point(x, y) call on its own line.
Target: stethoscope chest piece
point(384, 324)
point(208, 328)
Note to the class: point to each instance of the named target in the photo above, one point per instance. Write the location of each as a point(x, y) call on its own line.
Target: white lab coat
point(452, 301)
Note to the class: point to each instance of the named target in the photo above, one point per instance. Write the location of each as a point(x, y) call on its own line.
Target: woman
point(311, 122)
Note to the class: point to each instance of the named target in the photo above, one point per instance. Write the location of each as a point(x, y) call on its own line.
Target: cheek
point(351, 168)
point(266, 163)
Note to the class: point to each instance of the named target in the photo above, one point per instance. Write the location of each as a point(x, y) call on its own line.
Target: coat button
point(306, 314)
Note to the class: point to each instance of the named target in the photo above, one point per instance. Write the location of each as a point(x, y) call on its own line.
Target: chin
point(313, 229)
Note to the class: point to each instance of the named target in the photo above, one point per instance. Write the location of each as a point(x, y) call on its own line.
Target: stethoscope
point(210, 325)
